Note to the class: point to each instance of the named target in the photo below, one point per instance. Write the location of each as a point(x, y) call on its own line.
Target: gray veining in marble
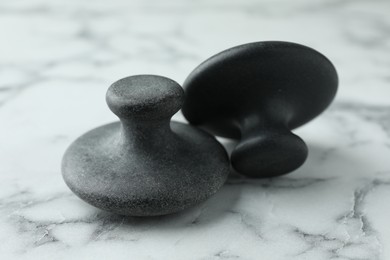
point(56, 54)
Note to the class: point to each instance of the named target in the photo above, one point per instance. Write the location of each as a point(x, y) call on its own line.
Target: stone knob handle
point(257, 93)
point(146, 164)
point(145, 97)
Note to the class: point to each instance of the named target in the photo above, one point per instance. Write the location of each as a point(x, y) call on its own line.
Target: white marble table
point(57, 59)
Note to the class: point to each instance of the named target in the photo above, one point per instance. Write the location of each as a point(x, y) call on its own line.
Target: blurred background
point(82, 43)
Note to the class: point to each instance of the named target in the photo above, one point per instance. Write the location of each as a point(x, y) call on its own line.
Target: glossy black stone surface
point(257, 93)
point(145, 165)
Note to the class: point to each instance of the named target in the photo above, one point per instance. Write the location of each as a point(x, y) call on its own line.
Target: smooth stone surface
point(258, 92)
point(145, 165)
point(333, 207)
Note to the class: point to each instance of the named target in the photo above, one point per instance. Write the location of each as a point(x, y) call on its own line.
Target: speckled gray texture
point(145, 165)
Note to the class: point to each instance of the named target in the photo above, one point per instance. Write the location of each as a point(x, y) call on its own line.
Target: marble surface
point(55, 55)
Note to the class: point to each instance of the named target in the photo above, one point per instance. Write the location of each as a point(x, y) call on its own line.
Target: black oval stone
point(257, 93)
